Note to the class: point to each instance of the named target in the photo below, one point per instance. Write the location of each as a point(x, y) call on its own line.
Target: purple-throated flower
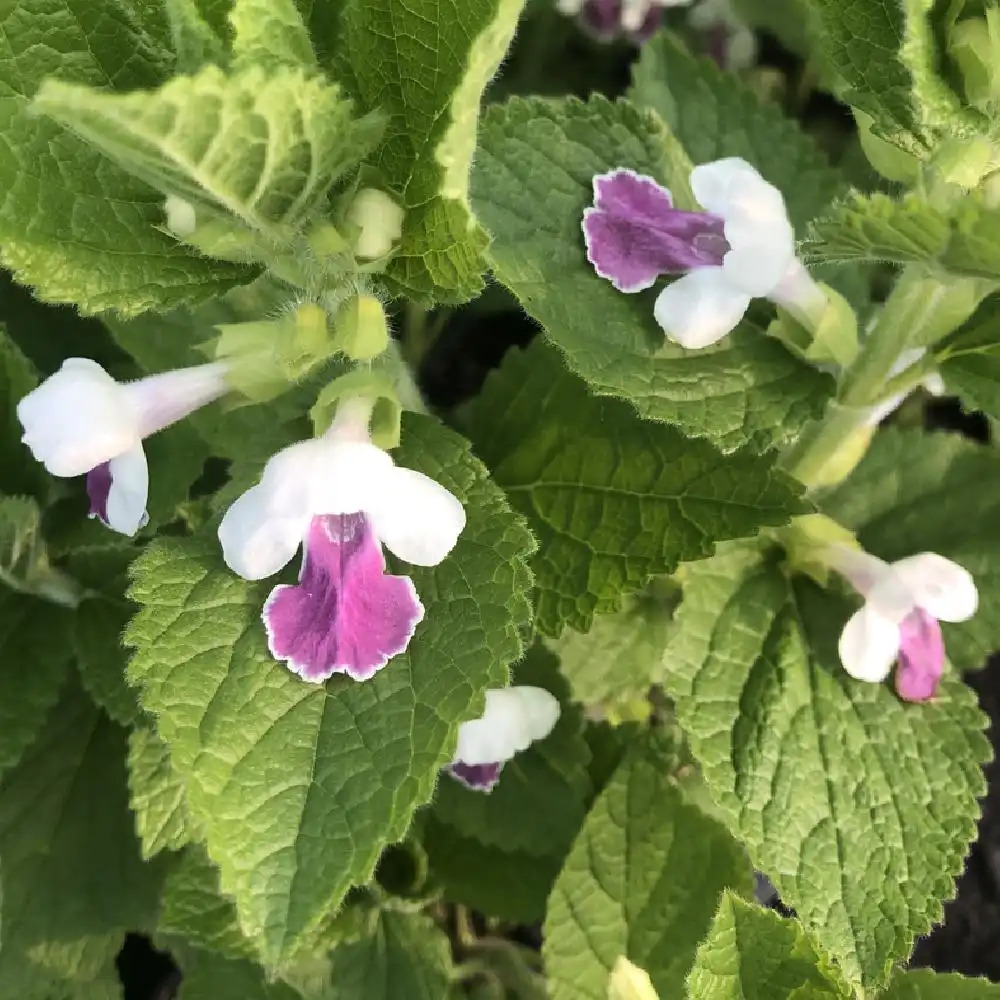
point(341, 498)
point(80, 421)
point(742, 246)
point(904, 602)
point(606, 20)
point(514, 718)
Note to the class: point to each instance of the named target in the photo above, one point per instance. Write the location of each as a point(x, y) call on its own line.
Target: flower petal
point(345, 615)
point(256, 544)
point(941, 587)
point(128, 491)
point(478, 777)
point(415, 518)
point(921, 657)
point(347, 477)
point(160, 400)
point(869, 645)
point(513, 719)
point(77, 419)
point(699, 309)
point(757, 268)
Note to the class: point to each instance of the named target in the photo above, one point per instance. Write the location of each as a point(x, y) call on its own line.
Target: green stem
point(809, 456)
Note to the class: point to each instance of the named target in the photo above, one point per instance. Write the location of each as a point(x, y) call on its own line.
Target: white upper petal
point(129, 492)
point(944, 589)
point(514, 718)
point(416, 519)
point(700, 308)
point(348, 477)
point(255, 542)
point(869, 645)
point(77, 419)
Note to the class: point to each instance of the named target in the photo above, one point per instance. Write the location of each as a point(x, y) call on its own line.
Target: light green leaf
point(752, 954)
point(270, 34)
point(36, 639)
point(613, 499)
point(540, 801)
point(643, 880)
point(825, 779)
point(969, 361)
point(207, 976)
point(19, 472)
point(156, 794)
point(622, 654)
point(886, 53)
point(916, 492)
point(72, 225)
point(399, 955)
point(426, 64)
point(922, 984)
point(355, 759)
point(263, 146)
point(71, 872)
point(506, 885)
point(194, 40)
point(531, 184)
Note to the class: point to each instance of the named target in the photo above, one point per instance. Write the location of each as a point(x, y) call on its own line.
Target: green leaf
point(72, 873)
point(213, 977)
point(355, 760)
point(825, 779)
point(270, 34)
point(886, 53)
point(36, 639)
point(505, 885)
point(19, 472)
point(531, 184)
point(922, 984)
point(622, 654)
point(752, 954)
point(916, 492)
point(263, 146)
point(194, 40)
point(540, 801)
point(426, 64)
point(643, 880)
point(72, 225)
point(969, 361)
point(613, 499)
point(156, 794)
point(399, 955)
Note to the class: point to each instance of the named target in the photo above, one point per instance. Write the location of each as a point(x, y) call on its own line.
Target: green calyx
point(387, 411)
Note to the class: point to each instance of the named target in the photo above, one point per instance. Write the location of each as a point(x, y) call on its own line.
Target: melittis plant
point(325, 672)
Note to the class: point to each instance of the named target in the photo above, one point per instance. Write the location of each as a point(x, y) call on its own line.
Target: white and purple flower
point(514, 718)
point(742, 246)
point(606, 20)
point(899, 621)
point(80, 421)
point(341, 498)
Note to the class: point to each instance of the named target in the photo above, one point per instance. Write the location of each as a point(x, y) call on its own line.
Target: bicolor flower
point(742, 246)
point(80, 421)
point(606, 20)
point(514, 718)
point(341, 498)
point(727, 37)
point(899, 621)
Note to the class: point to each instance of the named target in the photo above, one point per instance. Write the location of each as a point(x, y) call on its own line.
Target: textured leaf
point(19, 472)
point(540, 801)
point(922, 984)
point(613, 499)
point(271, 34)
point(156, 794)
point(353, 760)
point(643, 880)
point(71, 224)
point(263, 146)
point(426, 64)
point(214, 977)
point(72, 871)
point(622, 654)
point(506, 885)
point(825, 779)
point(531, 184)
point(400, 955)
point(752, 954)
point(916, 492)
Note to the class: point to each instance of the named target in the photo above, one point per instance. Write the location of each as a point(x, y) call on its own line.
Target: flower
point(606, 20)
point(81, 421)
point(728, 38)
point(904, 602)
point(514, 718)
point(341, 498)
point(741, 247)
